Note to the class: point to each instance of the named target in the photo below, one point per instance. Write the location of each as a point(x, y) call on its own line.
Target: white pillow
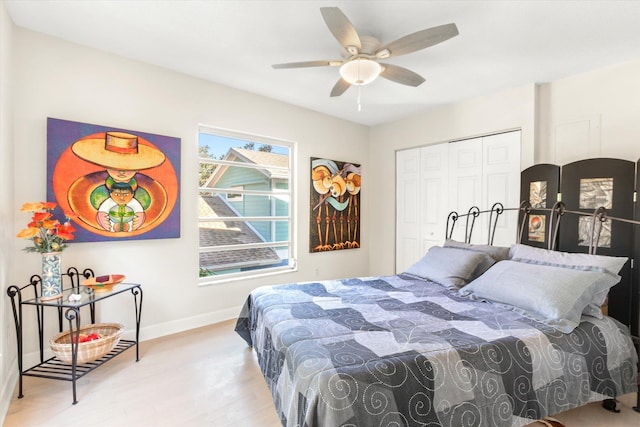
point(585, 262)
point(451, 267)
point(554, 295)
point(499, 253)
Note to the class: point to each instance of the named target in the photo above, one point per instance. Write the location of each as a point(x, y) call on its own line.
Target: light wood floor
point(204, 377)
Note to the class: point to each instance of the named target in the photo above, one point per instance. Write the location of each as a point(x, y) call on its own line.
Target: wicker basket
point(90, 350)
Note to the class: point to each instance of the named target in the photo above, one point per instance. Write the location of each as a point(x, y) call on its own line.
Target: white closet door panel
point(464, 195)
point(406, 250)
point(407, 208)
point(465, 183)
point(497, 189)
point(432, 190)
point(435, 200)
point(432, 230)
point(409, 212)
point(434, 159)
point(466, 156)
point(465, 165)
point(501, 182)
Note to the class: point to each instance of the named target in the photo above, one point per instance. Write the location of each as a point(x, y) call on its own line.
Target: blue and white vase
point(51, 276)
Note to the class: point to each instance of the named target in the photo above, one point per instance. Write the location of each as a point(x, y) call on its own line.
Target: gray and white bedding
point(405, 351)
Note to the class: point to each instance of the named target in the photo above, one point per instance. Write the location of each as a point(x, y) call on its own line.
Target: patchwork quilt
point(401, 351)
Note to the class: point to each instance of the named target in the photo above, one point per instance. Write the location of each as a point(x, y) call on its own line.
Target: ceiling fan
point(360, 55)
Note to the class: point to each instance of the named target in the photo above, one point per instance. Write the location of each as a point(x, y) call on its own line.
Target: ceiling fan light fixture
point(360, 71)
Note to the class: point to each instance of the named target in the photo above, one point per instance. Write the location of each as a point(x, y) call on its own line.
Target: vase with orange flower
point(48, 236)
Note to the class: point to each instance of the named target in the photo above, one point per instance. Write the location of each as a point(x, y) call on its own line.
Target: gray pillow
point(579, 261)
point(566, 259)
point(499, 253)
point(452, 268)
point(554, 295)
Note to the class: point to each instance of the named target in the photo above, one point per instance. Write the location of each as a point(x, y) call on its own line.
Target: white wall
point(57, 79)
point(8, 368)
point(595, 114)
point(513, 109)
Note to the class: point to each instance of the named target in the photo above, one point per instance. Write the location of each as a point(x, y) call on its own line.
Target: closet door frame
point(472, 166)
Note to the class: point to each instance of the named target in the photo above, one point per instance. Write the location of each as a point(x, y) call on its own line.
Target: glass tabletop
point(88, 295)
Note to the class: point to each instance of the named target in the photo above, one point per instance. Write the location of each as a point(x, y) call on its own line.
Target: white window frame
point(291, 217)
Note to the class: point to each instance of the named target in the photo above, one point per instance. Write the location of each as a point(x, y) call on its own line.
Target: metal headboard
point(470, 220)
point(558, 211)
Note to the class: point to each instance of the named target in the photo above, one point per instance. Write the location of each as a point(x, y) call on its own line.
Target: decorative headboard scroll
point(470, 220)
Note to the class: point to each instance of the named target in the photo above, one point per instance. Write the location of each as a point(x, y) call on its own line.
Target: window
point(245, 205)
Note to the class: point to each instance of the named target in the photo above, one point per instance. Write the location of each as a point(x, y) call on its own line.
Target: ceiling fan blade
point(304, 64)
point(342, 29)
point(340, 87)
point(420, 40)
point(401, 75)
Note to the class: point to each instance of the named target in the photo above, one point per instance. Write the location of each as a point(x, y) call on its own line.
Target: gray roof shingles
point(229, 233)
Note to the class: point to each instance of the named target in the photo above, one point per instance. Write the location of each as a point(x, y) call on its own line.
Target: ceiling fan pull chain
point(359, 104)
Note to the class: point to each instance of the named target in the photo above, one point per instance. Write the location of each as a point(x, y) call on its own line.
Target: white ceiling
point(502, 44)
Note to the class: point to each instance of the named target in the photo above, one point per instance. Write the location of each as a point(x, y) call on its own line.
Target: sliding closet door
point(434, 195)
point(483, 171)
point(501, 183)
point(434, 180)
point(422, 202)
point(465, 182)
point(407, 208)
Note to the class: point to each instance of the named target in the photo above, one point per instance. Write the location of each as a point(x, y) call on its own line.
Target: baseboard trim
point(185, 324)
point(6, 393)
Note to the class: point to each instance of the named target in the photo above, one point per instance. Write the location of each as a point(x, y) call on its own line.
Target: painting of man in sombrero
point(119, 183)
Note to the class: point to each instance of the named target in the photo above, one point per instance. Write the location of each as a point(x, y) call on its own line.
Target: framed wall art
point(120, 184)
point(334, 205)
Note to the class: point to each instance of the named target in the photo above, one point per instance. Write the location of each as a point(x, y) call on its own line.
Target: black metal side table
point(53, 368)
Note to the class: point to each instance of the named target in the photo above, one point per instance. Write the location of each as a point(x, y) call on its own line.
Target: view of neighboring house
point(230, 204)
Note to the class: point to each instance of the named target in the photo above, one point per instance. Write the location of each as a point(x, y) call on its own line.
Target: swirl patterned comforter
point(399, 351)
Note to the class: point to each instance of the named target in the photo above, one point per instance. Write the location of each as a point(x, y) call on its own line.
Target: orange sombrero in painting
point(118, 150)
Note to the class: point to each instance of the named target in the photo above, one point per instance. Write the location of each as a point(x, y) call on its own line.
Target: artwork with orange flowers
point(335, 205)
point(119, 184)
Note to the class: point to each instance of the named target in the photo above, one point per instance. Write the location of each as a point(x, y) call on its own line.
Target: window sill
point(217, 280)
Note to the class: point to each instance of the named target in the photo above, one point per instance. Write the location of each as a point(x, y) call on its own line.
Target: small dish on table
point(103, 283)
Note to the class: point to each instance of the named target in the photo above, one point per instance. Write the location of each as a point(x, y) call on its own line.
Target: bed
point(444, 344)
